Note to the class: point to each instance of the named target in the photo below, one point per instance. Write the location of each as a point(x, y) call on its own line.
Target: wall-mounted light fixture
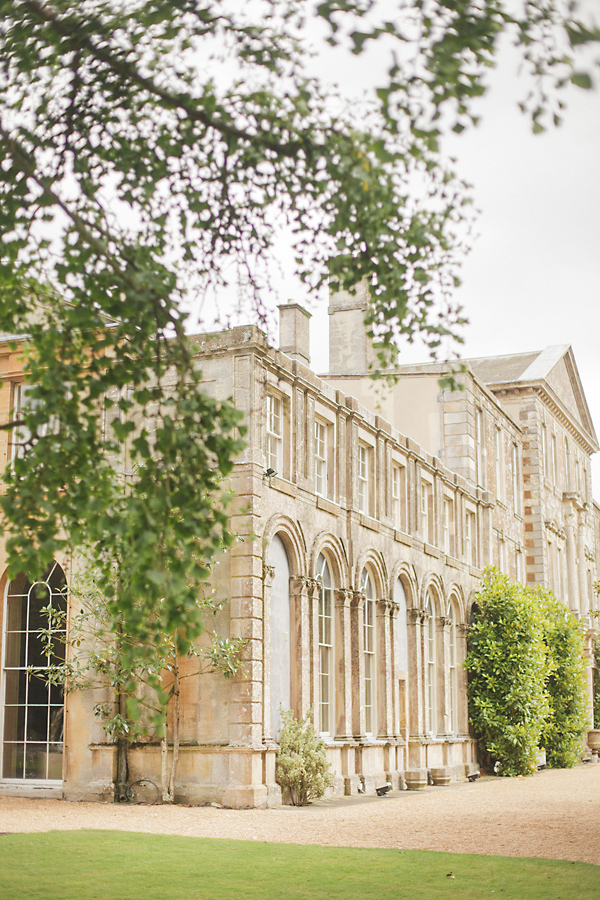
point(269, 473)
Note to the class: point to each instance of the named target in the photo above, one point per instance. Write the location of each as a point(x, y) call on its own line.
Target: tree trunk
point(122, 761)
point(176, 694)
point(164, 765)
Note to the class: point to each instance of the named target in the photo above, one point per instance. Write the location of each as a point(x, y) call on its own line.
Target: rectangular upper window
point(470, 538)
point(399, 497)
point(448, 526)
point(364, 475)
point(274, 444)
point(427, 523)
point(479, 447)
point(323, 450)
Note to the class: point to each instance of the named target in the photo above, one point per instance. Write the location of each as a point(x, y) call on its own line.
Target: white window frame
point(480, 455)
point(275, 432)
point(431, 663)
point(449, 526)
point(516, 479)
point(27, 705)
point(369, 654)
point(321, 456)
point(452, 671)
point(427, 511)
point(398, 495)
point(471, 537)
point(499, 447)
point(326, 642)
point(363, 478)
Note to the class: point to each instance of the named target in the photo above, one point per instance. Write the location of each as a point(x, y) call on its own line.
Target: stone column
point(313, 588)
point(385, 719)
point(268, 575)
point(300, 588)
point(445, 687)
point(570, 523)
point(415, 651)
point(343, 665)
point(394, 609)
point(358, 663)
point(584, 602)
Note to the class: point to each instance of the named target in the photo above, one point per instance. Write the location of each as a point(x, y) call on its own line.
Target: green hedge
point(526, 677)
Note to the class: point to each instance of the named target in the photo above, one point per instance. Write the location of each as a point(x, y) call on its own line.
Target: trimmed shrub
point(302, 765)
point(507, 666)
point(526, 677)
point(568, 716)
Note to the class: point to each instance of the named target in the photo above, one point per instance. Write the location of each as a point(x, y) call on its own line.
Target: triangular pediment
point(553, 367)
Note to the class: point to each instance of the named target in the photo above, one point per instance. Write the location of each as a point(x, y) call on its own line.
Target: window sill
point(285, 487)
point(328, 505)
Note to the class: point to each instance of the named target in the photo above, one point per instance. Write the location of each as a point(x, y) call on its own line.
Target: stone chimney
point(350, 348)
point(294, 331)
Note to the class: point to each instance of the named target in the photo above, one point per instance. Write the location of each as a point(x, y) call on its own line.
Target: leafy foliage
point(152, 150)
point(526, 677)
point(302, 766)
point(568, 718)
point(140, 685)
point(507, 665)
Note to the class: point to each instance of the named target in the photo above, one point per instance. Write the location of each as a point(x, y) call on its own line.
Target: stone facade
point(365, 514)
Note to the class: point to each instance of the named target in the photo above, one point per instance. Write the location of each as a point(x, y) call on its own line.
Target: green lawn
point(113, 865)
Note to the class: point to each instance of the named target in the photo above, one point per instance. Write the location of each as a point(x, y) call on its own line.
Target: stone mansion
point(365, 513)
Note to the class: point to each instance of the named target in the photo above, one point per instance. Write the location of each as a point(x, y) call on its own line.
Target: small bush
point(302, 765)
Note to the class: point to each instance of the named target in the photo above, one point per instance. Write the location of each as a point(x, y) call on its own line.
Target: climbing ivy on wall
point(526, 677)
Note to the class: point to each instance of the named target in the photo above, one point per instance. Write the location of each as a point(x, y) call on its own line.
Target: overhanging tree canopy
point(152, 148)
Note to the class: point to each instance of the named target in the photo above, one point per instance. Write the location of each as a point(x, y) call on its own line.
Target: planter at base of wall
point(593, 739)
point(416, 779)
point(441, 776)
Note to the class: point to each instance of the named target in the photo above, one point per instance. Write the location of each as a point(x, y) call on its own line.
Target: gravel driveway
point(553, 814)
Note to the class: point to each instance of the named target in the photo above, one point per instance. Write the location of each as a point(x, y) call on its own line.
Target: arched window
point(369, 642)
point(452, 671)
point(280, 633)
point(326, 636)
point(430, 650)
point(32, 740)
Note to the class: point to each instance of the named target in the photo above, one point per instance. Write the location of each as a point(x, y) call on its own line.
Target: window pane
point(16, 686)
point(13, 760)
point(14, 723)
point(16, 612)
point(55, 762)
point(37, 723)
point(35, 760)
point(15, 650)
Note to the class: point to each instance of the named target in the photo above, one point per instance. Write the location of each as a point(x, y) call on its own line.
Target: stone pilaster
point(358, 663)
point(300, 593)
point(268, 576)
point(385, 671)
point(343, 667)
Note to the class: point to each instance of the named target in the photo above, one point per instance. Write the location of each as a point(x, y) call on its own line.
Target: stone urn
point(416, 779)
point(593, 739)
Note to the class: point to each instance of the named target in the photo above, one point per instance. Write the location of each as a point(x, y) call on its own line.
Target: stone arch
point(405, 573)
point(471, 607)
point(433, 585)
point(333, 550)
point(374, 562)
point(289, 533)
point(457, 599)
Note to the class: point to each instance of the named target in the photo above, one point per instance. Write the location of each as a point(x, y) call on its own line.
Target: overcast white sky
point(533, 276)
